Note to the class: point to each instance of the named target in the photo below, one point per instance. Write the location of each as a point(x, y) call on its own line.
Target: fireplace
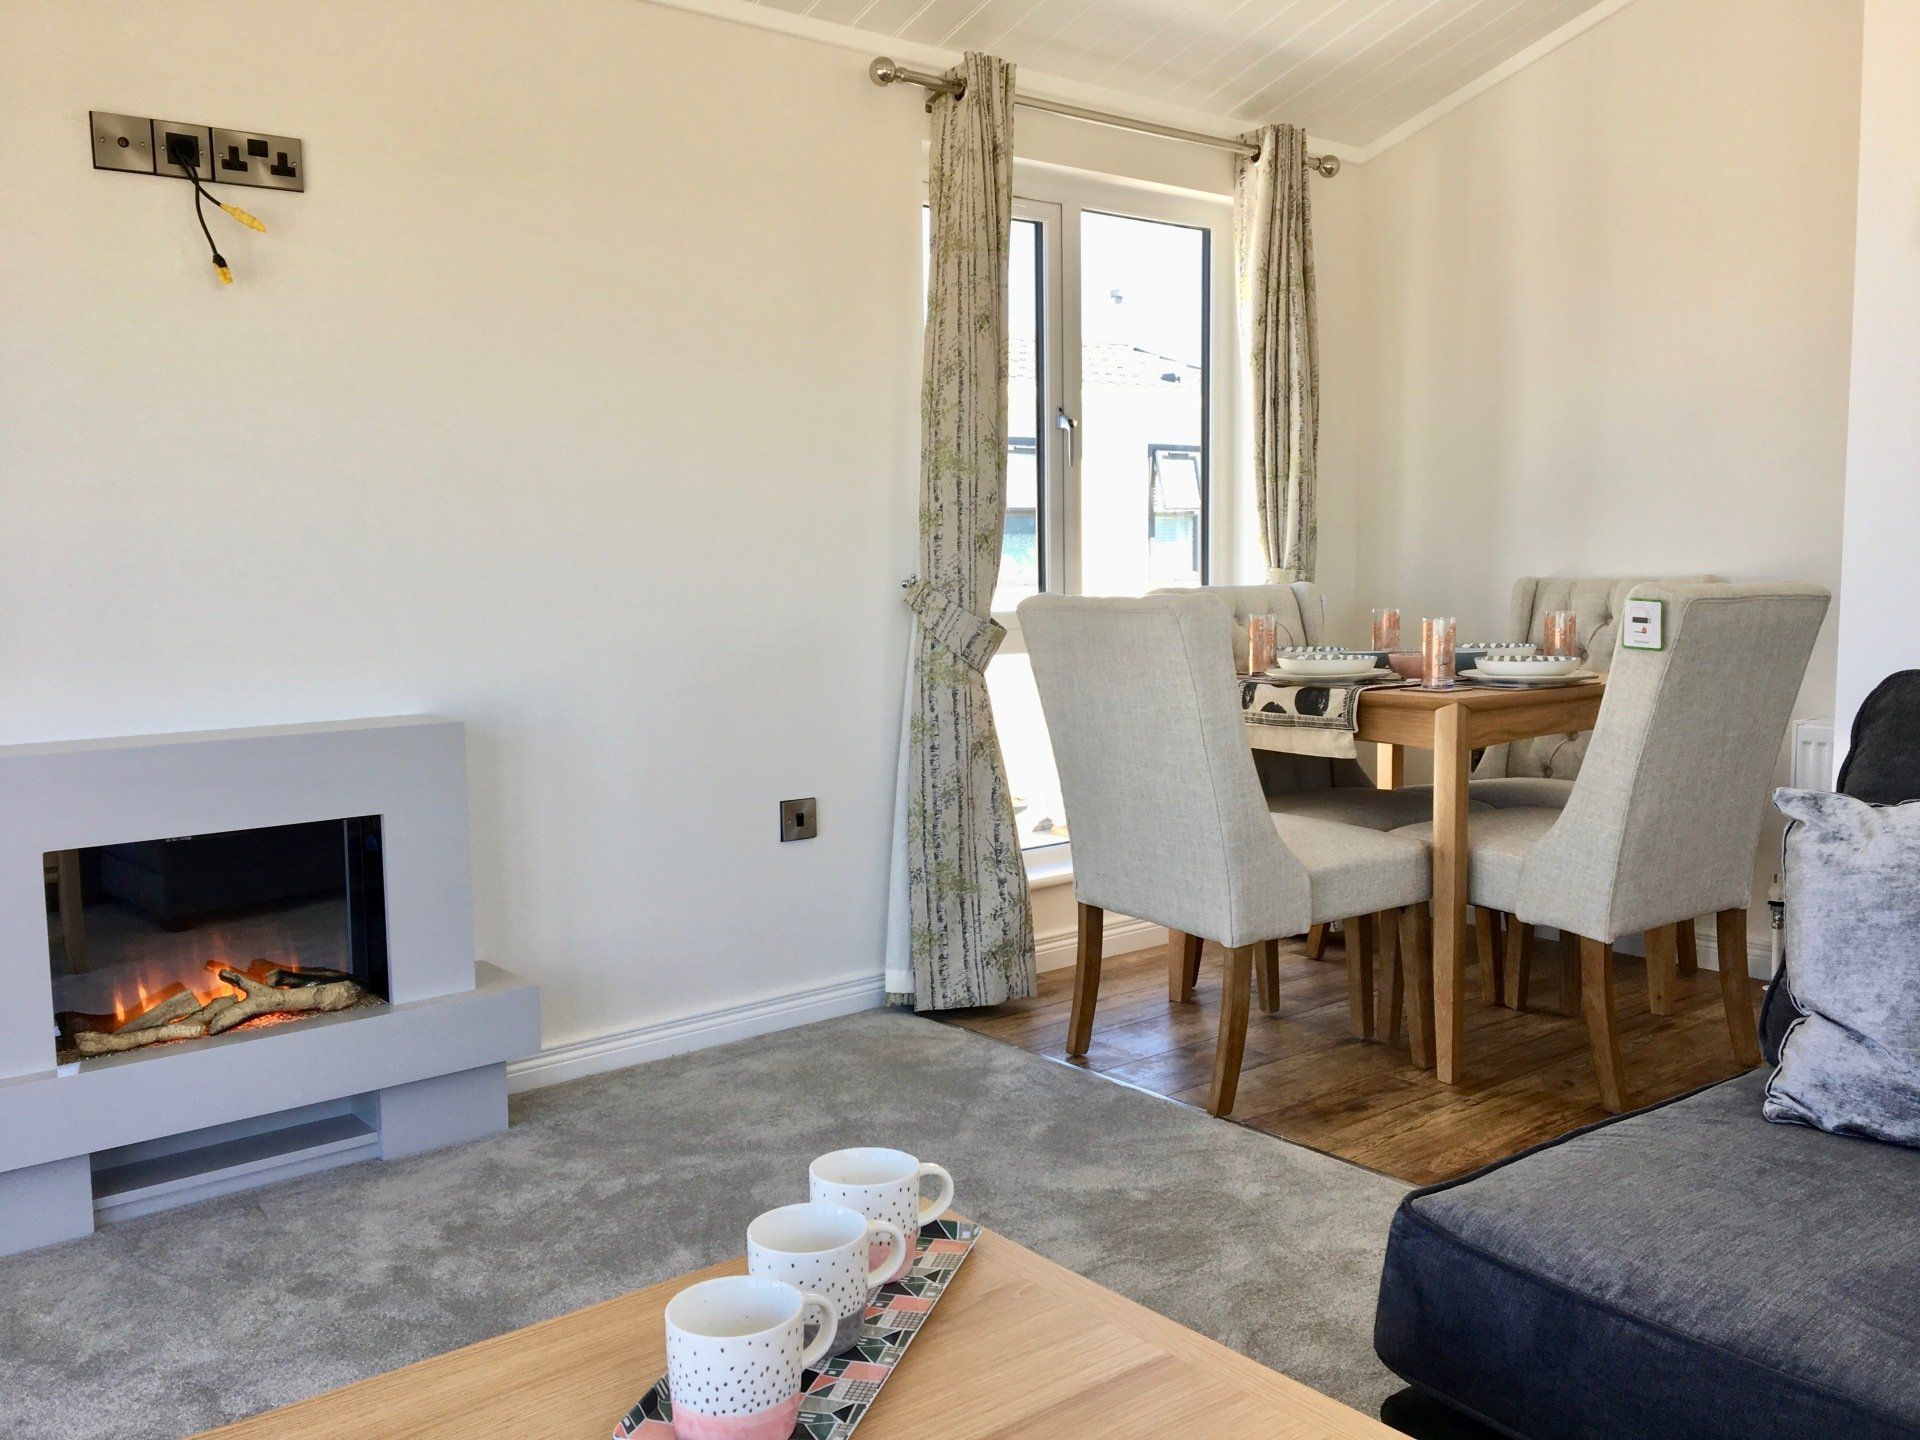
point(290, 907)
point(151, 942)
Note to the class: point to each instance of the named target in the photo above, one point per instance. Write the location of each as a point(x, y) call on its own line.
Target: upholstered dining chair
point(1169, 822)
point(1310, 786)
point(1541, 770)
point(1661, 823)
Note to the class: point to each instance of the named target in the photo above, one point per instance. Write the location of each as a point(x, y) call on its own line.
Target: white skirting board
point(1056, 951)
point(570, 1060)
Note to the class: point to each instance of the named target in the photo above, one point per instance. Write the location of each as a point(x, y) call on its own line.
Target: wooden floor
point(1529, 1075)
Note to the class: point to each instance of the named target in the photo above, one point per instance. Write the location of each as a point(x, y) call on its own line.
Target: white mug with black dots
point(735, 1352)
point(881, 1185)
point(827, 1249)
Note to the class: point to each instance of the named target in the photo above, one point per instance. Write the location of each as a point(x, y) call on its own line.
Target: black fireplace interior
point(130, 924)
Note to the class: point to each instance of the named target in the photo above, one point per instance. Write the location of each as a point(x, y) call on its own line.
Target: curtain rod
point(885, 72)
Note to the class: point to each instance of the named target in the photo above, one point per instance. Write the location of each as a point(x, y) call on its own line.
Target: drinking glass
point(1386, 629)
point(1561, 637)
point(1262, 639)
point(1436, 650)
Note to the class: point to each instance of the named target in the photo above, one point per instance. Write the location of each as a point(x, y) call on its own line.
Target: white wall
point(1610, 315)
point(575, 398)
point(1880, 609)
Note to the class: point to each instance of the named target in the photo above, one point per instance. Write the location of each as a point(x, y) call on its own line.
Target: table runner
point(1313, 719)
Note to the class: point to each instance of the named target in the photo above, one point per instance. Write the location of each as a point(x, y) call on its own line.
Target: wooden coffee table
point(1019, 1346)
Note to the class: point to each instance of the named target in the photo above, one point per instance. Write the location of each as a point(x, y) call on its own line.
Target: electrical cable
point(200, 196)
point(200, 214)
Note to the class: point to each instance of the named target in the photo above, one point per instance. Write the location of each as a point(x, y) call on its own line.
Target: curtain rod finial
point(883, 71)
point(1327, 165)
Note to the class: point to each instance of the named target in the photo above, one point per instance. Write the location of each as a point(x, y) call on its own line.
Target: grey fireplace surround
point(120, 1135)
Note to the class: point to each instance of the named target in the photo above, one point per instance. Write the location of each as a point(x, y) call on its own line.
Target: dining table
point(1452, 723)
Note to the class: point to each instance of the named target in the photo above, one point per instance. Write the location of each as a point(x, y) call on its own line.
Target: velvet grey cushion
point(1851, 1064)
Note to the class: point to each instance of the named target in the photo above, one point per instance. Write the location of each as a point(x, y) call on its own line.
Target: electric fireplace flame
point(155, 942)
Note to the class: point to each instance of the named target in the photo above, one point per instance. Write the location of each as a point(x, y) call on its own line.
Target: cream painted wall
point(1882, 598)
point(576, 398)
point(1610, 317)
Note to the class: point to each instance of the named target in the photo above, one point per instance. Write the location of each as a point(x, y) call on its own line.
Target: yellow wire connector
point(226, 275)
point(252, 222)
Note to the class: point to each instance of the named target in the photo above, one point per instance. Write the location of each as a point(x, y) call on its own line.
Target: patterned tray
point(836, 1397)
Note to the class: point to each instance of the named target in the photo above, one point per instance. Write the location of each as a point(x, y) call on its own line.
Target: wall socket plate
point(799, 819)
point(248, 157)
point(136, 145)
point(163, 166)
point(121, 142)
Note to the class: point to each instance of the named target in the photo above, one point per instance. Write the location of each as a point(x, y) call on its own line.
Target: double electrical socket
point(140, 146)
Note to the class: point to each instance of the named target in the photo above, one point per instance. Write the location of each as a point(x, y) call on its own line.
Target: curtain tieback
point(953, 627)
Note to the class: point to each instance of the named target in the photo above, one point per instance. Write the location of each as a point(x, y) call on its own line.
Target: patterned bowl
point(1528, 667)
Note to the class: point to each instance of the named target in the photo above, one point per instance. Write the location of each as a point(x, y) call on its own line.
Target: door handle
point(1063, 421)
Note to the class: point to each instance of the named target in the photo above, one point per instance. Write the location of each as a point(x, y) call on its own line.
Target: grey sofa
point(1688, 1271)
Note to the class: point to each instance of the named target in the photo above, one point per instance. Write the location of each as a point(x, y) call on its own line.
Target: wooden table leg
point(1390, 767)
point(1663, 967)
point(1416, 963)
point(1450, 765)
point(1183, 965)
point(1689, 949)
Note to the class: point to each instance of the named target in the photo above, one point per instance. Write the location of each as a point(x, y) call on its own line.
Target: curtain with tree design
point(960, 922)
point(1273, 245)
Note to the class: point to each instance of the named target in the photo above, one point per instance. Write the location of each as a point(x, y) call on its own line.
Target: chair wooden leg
point(1689, 949)
point(1568, 1002)
point(1519, 962)
point(1736, 990)
point(1596, 998)
point(1392, 995)
point(1361, 944)
point(1316, 942)
point(1488, 935)
point(1183, 965)
point(1663, 968)
point(1232, 1045)
point(1416, 965)
point(1086, 981)
point(1268, 976)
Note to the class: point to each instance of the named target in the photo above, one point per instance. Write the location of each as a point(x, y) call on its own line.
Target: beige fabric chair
point(1663, 819)
point(1541, 770)
point(1169, 824)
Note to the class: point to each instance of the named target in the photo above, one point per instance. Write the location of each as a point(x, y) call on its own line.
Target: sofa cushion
point(1851, 1062)
point(1688, 1270)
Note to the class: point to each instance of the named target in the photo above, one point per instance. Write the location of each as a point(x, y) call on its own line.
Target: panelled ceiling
point(1351, 71)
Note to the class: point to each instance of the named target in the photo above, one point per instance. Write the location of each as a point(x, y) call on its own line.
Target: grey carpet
point(156, 1328)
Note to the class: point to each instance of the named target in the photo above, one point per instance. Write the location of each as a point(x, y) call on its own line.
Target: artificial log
point(182, 1017)
point(264, 999)
point(172, 1008)
point(96, 1042)
point(297, 979)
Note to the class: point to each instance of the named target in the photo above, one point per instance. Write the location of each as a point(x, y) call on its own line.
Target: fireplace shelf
point(132, 1188)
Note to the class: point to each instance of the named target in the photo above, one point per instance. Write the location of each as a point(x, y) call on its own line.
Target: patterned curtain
point(1273, 244)
point(965, 929)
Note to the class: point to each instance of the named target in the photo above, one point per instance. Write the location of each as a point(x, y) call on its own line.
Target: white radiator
point(1811, 764)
